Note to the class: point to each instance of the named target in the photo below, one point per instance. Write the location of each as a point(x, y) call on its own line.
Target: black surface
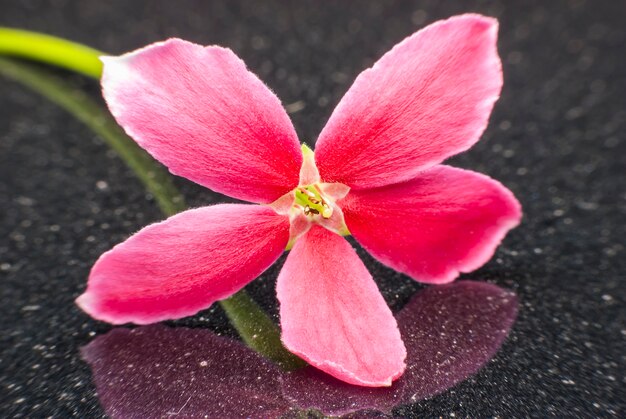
point(556, 138)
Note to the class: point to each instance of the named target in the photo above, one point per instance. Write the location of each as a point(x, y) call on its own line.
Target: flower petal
point(431, 228)
point(200, 112)
point(308, 172)
point(333, 315)
point(450, 332)
point(182, 265)
point(425, 100)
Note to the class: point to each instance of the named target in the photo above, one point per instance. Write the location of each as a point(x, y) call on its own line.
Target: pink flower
point(376, 172)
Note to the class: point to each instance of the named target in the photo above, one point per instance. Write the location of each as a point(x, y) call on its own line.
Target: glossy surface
point(556, 139)
point(157, 371)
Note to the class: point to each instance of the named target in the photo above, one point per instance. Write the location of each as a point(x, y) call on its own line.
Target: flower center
point(311, 201)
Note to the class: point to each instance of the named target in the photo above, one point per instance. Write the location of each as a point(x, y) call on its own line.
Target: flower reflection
point(157, 371)
point(450, 332)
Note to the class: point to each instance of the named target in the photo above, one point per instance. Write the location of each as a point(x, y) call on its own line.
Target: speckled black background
point(556, 138)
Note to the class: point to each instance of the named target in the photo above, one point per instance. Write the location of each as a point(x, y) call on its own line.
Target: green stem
point(251, 322)
point(258, 331)
point(51, 50)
